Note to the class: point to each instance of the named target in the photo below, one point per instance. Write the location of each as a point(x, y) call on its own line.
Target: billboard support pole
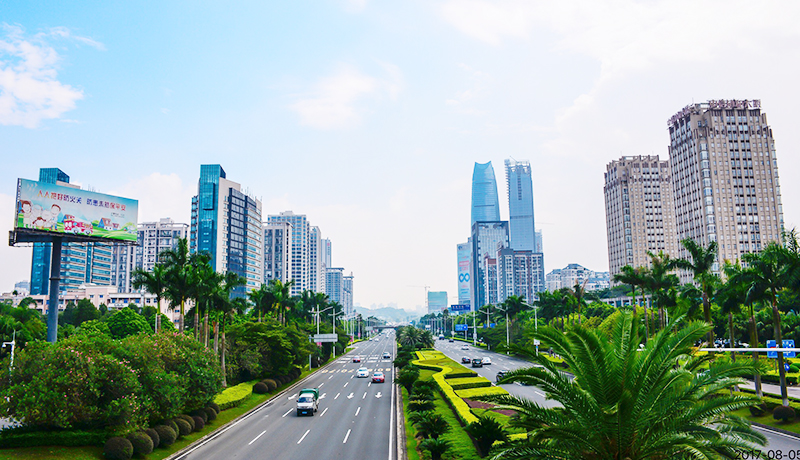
point(55, 277)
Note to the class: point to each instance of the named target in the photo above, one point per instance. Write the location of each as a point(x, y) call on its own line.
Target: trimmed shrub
point(260, 388)
point(271, 384)
point(166, 435)
point(214, 406)
point(199, 424)
point(472, 393)
point(184, 427)
point(233, 396)
point(200, 413)
point(211, 414)
point(24, 437)
point(758, 410)
point(118, 448)
point(153, 436)
point(141, 442)
point(188, 420)
point(784, 413)
point(171, 423)
point(460, 374)
point(471, 382)
point(794, 368)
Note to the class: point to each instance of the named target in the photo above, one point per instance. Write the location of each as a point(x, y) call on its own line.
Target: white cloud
point(160, 195)
point(29, 89)
point(337, 101)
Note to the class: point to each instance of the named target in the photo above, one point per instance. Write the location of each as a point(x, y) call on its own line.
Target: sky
point(368, 116)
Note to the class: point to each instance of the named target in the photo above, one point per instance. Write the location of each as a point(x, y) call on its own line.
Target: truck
point(307, 401)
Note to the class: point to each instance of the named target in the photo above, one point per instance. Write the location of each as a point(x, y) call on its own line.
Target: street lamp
point(507, 337)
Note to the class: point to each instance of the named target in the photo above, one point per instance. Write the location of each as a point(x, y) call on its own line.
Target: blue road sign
point(459, 307)
point(788, 344)
point(772, 344)
point(461, 327)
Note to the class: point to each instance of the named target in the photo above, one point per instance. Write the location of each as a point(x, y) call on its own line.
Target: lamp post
point(507, 336)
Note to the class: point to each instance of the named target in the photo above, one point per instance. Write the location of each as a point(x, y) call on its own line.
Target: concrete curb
point(777, 430)
point(400, 426)
point(222, 429)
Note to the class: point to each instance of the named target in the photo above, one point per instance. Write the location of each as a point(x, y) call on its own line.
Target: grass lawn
point(767, 419)
point(96, 453)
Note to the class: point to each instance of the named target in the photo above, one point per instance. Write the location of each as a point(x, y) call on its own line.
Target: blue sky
point(368, 116)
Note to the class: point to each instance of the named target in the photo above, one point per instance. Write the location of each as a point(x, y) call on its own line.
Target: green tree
point(407, 376)
point(180, 268)
point(432, 425)
point(224, 305)
point(701, 266)
point(629, 403)
point(436, 447)
point(661, 283)
point(127, 322)
point(486, 431)
point(155, 282)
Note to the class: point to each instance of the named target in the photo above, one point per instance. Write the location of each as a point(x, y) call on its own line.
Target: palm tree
point(703, 260)
point(659, 282)
point(513, 306)
point(765, 275)
point(180, 267)
point(576, 298)
point(280, 297)
point(627, 402)
point(154, 282)
point(409, 337)
point(736, 289)
point(225, 306)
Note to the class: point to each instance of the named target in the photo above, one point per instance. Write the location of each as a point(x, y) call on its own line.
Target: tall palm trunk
point(216, 337)
point(224, 371)
point(181, 318)
point(754, 343)
point(197, 321)
point(157, 322)
point(205, 329)
point(776, 323)
point(730, 334)
point(646, 318)
point(707, 317)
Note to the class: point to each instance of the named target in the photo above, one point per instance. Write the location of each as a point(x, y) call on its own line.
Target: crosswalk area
point(348, 370)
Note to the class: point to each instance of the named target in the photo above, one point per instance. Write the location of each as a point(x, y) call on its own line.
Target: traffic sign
point(459, 307)
point(329, 338)
point(772, 344)
point(461, 327)
point(788, 344)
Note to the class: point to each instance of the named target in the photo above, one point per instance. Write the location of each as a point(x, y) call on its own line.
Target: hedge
point(22, 438)
point(775, 378)
point(461, 374)
point(460, 408)
point(470, 382)
point(233, 396)
point(472, 393)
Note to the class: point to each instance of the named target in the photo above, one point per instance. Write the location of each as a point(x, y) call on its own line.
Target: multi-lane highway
point(354, 420)
point(779, 445)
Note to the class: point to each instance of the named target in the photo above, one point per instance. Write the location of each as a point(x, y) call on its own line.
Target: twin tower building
point(501, 258)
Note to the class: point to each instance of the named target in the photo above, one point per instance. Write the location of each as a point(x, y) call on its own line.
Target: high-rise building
point(226, 224)
point(573, 274)
point(522, 228)
point(326, 251)
point(300, 248)
point(464, 254)
point(639, 211)
point(277, 251)
point(539, 243)
point(489, 278)
point(725, 177)
point(437, 301)
point(81, 263)
point(316, 261)
point(156, 237)
point(334, 284)
point(519, 273)
point(486, 238)
point(347, 293)
point(485, 202)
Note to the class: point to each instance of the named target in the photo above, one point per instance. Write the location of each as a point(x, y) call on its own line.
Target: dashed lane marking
point(323, 412)
point(254, 439)
point(304, 436)
point(357, 411)
point(346, 436)
point(287, 413)
point(337, 395)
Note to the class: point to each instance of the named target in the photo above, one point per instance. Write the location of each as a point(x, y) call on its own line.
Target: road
point(354, 418)
point(779, 445)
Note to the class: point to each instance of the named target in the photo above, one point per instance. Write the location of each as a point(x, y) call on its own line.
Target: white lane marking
point(323, 412)
point(330, 377)
point(365, 395)
point(287, 413)
point(321, 384)
point(540, 394)
point(337, 395)
point(254, 439)
point(345, 385)
point(378, 395)
point(323, 395)
point(266, 416)
point(292, 396)
point(350, 396)
point(304, 436)
point(368, 384)
point(357, 411)
point(346, 436)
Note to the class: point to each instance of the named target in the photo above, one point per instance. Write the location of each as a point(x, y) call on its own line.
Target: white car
point(362, 372)
point(486, 360)
point(465, 347)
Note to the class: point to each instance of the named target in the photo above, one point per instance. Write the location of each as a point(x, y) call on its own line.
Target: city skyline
point(309, 108)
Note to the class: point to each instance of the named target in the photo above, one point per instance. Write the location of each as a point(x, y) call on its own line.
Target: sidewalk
point(772, 389)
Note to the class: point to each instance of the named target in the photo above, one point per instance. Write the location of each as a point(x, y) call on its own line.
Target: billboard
point(464, 252)
point(51, 208)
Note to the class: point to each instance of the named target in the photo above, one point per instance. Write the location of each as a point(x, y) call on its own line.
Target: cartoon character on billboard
point(52, 217)
point(26, 209)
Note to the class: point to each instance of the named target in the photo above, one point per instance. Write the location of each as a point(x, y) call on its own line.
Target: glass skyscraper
point(487, 238)
point(522, 231)
point(485, 203)
point(226, 223)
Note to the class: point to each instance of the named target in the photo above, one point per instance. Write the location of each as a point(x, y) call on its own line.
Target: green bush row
point(456, 374)
point(233, 396)
point(470, 382)
point(71, 438)
point(460, 408)
point(472, 393)
point(774, 378)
